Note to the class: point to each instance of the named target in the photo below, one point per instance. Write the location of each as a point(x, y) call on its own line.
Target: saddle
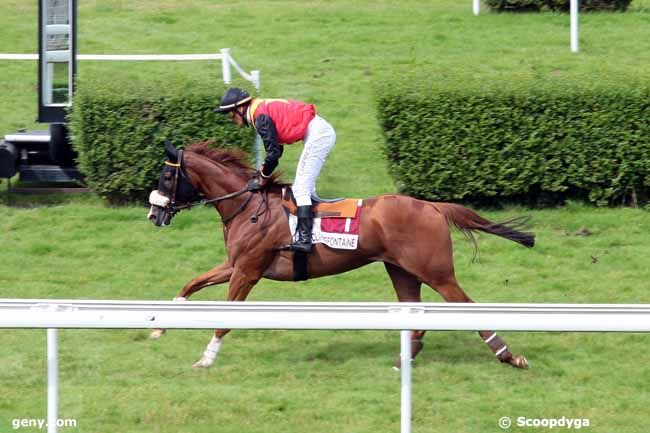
point(335, 208)
point(336, 225)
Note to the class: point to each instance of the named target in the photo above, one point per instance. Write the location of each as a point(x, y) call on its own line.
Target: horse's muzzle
point(159, 216)
point(159, 212)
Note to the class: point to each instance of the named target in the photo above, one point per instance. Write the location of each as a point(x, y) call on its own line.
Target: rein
point(252, 187)
point(214, 200)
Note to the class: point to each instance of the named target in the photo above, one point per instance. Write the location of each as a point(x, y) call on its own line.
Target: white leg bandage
point(213, 348)
point(210, 353)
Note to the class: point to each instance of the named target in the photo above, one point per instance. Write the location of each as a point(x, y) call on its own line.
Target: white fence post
point(255, 75)
point(574, 26)
point(405, 361)
point(52, 380)
point(225, 65)
point(476, 7)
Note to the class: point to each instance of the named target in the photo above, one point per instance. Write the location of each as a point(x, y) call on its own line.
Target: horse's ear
point(171, 151)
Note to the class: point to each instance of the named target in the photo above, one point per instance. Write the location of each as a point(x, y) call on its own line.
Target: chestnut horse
point(411, 237)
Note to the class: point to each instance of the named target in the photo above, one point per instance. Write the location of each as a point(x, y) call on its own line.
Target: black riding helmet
point(233, 98)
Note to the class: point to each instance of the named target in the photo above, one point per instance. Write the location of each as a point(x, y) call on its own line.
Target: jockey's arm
point(266, 129)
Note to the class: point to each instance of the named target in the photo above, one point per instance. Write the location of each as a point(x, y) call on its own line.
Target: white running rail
point(53, 314)
point(573, 11)
point(226, 61)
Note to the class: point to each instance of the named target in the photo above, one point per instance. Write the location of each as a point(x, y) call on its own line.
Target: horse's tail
point(467, 220)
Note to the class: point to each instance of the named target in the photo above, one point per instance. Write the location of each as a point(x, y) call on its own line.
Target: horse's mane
point(235, 159)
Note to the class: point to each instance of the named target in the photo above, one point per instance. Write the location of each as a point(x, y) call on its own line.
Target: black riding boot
point(305, 221)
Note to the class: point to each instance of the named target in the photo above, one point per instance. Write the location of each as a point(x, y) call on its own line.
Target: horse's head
point(175, 191)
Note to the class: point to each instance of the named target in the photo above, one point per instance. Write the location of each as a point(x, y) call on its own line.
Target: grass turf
point(330, 53)
point(324, 381)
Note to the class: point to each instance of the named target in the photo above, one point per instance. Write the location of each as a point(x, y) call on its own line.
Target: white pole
point(258, 152)
point(405, 358)
point(52, 380)
point(574, 26)
point(255, 75)
point(225, 65)
point(47, 87)
point(477, 6)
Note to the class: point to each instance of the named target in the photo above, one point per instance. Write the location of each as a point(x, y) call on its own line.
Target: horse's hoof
point(519, 362)
point(398, 364)
point(156, 334)
point(203, 363)
point(417, 346)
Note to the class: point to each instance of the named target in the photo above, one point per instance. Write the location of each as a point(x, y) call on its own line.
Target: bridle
point(173, 207)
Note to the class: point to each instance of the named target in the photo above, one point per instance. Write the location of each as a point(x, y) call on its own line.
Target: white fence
point(53, 314)
point(573, 10)
point(226, 61)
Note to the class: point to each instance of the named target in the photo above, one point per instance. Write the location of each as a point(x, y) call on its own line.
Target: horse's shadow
point(344, 351)
point(439, 348)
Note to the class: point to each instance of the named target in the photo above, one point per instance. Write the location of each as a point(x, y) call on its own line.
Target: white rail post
point(225, 65)
point(574, 26)
point(405, 360)
point(52, 380)
point(255, 75)
point(476, 7)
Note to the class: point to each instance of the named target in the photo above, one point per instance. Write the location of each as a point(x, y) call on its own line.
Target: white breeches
point(319, 141)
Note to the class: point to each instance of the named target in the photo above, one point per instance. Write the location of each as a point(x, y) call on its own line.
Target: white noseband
point(157, 199)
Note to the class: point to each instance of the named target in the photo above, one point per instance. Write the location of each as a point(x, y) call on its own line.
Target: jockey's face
point(237, 116)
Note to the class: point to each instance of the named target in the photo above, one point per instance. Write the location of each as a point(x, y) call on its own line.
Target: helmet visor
point(230, 107)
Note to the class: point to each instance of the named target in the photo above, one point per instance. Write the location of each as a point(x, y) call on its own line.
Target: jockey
point(280, 122)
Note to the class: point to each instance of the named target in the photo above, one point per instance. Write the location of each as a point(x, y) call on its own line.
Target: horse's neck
point(216, 180)
point(212, 179)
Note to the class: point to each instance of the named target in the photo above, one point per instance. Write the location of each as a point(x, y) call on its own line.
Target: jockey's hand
point(254, 183)
point(257, 182)
point(262, 179)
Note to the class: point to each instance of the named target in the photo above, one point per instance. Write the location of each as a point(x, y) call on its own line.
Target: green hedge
point(119, 131)
point(556, 5)
point(530, 142)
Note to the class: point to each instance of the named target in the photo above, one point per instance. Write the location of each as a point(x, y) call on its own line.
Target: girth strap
point(300, 271)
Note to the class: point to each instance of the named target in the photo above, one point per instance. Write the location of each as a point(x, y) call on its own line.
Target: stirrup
point(298, 248)
point(303, 248)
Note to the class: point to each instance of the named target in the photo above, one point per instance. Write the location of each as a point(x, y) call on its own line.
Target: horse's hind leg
point(452, 292)
point(407, 288)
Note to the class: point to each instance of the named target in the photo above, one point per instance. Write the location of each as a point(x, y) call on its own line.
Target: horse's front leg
point(217, 275)
point(241, 284)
